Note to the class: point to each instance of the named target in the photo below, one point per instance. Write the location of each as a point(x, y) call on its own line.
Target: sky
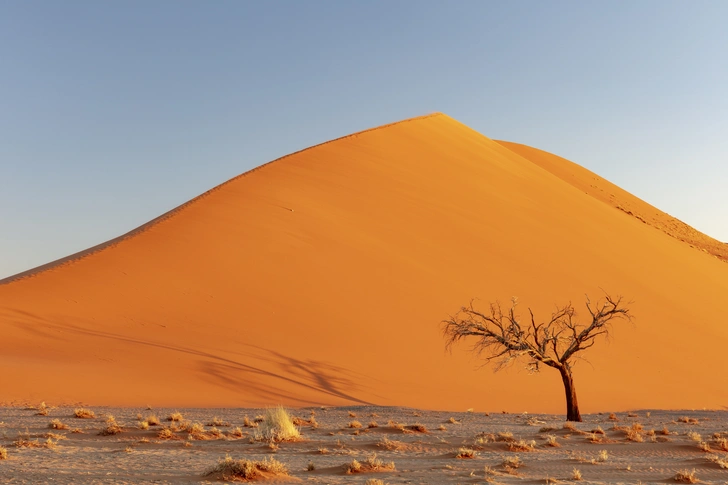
point(114, 112)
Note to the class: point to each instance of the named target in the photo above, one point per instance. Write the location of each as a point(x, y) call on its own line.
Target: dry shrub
point(111, 428)
point(686, 476)
point(569, 426)
point(687, 420)
point(354, 424)
point(236, 432)
point(693, 436)
point(504, 436)
point(143, 425)
point(417, 427)
point(277, 425)
point(721, 462)
point(721, 443)
point(453, 421)
point(391, 445)
point(248, 423)
point(165, 434)
point(635, 433)
point(576, 474)
point(153, 420)
point(42, 409)
point(613, 417)
point(703, 446)
point(465, 453)
point(218, 422)
point(230, 469)
point(76, 431)
point(596, 438)
point(57, 424)
point(551, 441)
point(664, 431)
point(175, 416)
point(24, 441)
point(598, 430)
point(395, 425)
point(372, 424)
point(522, 445)
point(83, 413)
point(511, 463)
point(371, 464)
point(603, 456)
point(547, 429)
point(3, 453)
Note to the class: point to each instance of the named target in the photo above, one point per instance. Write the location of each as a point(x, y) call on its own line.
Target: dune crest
point(322, 278)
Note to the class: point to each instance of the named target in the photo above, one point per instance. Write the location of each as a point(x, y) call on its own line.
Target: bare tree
point(501, 337)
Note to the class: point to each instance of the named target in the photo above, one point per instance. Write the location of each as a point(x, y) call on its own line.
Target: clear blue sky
point(112, 112)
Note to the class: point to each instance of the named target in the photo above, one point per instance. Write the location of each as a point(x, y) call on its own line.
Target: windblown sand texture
point(322, 278)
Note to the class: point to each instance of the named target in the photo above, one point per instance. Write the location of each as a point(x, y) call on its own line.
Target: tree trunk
point(572, 405)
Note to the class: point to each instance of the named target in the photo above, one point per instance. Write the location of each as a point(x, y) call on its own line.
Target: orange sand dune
point(321, 278)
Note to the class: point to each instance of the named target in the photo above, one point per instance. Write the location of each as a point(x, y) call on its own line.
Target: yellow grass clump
point(465, 453)
point(175, 416)
point(371, 464)
point(522, 445)
point(83, 413)
point(230, 469)
point(57, 424)
point(686, 476)
point(551, 441)
point(576, 474)
point(111, 428)
point(277, 425)
point(354, 424)
point(3, 453)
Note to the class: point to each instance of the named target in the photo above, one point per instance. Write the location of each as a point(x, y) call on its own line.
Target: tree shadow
point(260, 374)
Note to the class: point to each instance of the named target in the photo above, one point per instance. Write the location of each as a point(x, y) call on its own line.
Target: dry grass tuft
point(111, 428)
point(153, 420)
point(42, 409)
point(57, 424)
point(703, 446)
point(686, 476)
point(391, 445)
point(218, 422)
point(465, 453)
point(721, 462)
point(687, 420)
point(165, 434)
point(24, 441)
point(248, 423)
point(236, 432)
point(417, 427)
point(613, 417)
point(83, 413)
point(372, 424)
point(277, 425)
point(371, 464)
point(511, 463)
point(143, 425)
point(354, 424)
point(603, 456)
point(453, 421)
point(551, 441)
point(233, 470)
point(576, 474)
point(569, 426)
point(522, 445)
point(175, 416)
point(3, 453)
point(721, 443)
point(693, 436)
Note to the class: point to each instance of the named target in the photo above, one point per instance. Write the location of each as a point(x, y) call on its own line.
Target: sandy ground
point(139, 457)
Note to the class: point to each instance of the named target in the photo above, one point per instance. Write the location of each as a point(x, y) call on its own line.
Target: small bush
point(57, 424)
point(111, 428)
point(371, 464)
point(230, 469)
point(277, 425)
point(576, 474)
point(522, 445)
point(3, 453)
point(175, 416)
point(83, 413)
point(551, 441)
point(686, 476)
point(354, 424)
point(465, 453)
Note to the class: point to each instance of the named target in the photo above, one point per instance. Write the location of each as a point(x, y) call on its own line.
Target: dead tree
point(501, 337)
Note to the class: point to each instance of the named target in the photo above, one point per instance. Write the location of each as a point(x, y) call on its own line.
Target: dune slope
point(321, 278)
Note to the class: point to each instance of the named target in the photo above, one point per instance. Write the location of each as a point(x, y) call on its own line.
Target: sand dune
point(321, 278)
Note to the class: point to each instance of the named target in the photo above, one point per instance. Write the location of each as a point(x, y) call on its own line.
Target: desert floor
point(137, 456)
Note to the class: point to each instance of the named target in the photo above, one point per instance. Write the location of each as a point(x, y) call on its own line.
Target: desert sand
point(640, 447)
point(321, 279)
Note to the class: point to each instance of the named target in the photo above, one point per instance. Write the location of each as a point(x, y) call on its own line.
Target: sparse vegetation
point(686, 476)
point(111, 428)
point(391, 445)
point(465, 453)
point(230, 469)
point(371, 464)
point(576, 474)
point(354, 424)
point(277, 425)
point(57, 424)
point(551, 441)
point(522, 445)
point(83, 413)
point(3, 453)
point(175, 416)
